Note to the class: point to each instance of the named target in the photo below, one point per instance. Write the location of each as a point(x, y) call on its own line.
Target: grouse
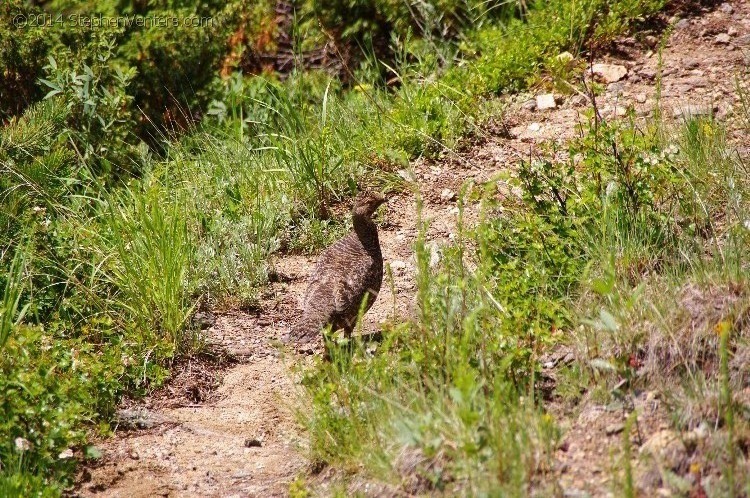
point(346, 278)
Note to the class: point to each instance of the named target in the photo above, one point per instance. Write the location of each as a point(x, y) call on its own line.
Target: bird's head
point(366, 203)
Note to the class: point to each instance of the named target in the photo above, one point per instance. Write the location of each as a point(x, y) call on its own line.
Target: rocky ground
point(241, 437)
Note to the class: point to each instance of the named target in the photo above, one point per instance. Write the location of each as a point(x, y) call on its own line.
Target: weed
point(153, 254)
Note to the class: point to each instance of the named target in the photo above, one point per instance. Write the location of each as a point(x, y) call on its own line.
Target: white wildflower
point(22, 444)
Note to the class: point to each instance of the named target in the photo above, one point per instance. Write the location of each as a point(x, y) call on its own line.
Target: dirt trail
point(202, 449)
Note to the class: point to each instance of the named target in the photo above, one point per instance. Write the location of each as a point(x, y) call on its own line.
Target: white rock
point(545, 101)
point(65, 455)
point(534, 127)
point(641, 98)
point(620, 111)
point(732, 31)
point(397, 265)
point(447, 195)
point(722, 39)
point(702, 431)
point(609, 73)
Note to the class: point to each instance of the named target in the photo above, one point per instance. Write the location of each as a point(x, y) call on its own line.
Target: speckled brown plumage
point(348, 276)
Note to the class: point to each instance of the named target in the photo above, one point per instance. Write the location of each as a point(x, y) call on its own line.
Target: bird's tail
point(306, 330)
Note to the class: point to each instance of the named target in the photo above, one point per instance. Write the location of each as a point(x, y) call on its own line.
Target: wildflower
point(22, 444)
point(722, 327)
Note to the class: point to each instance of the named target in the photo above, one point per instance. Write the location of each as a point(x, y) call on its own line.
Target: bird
point(346, 279)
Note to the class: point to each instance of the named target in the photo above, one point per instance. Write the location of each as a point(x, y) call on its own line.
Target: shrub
point(23, 49)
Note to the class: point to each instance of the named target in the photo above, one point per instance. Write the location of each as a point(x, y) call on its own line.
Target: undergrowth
point(631, 247)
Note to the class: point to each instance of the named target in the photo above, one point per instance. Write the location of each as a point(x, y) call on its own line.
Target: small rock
point(648, 73)
point(615, 428)
point(695, 82)
point(134, 455)
point(545, 101)
point(726, 8)
point(615, 89)
point(534, 127)
point(619, 111)
point(609, 73)
point(667, 447)
point(65, 455)
point(253, 443)
point(732, 31)
point(722, 39)
point(641, 98)
point(397, 265)
point(578, 100)
point(529, 105)
point(650, 40)
point(565, 57)
point(702, 431)
point(517, 131)
point(447, 195)
point(682, 24)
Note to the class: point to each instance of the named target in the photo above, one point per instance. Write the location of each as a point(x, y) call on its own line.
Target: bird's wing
point(341, 274)
point(348, 294)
